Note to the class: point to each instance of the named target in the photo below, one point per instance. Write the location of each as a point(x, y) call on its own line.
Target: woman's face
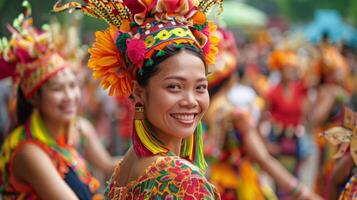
point(289, 73)
point(59, 97)
point(176, 98)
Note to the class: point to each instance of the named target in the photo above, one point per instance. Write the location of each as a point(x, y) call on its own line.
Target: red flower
point(140, 8)
point(135, 50)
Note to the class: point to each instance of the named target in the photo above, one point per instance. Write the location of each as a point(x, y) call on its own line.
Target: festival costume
point(287, 113)
point(139, 32)
point(331, 62)
point(286, 119)
point(230, 170)
point(63, 154)
point(31, 59)
point(169, 177)
point(345, 138)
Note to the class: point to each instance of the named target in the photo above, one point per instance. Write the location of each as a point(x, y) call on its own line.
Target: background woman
point(49, 129)
point(233, 141)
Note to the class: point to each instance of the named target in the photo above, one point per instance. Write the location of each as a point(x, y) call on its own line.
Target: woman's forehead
point(182, 64)
point(63, 76)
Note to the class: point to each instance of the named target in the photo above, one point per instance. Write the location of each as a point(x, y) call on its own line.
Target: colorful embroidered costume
point(169, 177)
point(64, 156)
point(349, 192)
point(139, 33)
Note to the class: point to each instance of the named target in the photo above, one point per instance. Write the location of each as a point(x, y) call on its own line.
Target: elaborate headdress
point(331, 60)
point(138, 30)
point(65, 39)
point(280, 58)
point(344, 136)
point(28, 56)
point(226, 61)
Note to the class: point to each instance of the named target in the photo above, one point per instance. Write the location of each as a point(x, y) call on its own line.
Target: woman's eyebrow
point(184, 79)
point(176, 77)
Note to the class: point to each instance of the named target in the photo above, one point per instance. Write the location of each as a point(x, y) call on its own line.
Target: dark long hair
point(170, 50)
point(23, 107)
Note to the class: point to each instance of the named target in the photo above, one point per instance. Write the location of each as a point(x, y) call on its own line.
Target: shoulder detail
point(172, 176)
point(198, 187)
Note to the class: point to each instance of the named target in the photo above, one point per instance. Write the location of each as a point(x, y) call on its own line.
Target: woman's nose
point(70, 93)
point(189, 100)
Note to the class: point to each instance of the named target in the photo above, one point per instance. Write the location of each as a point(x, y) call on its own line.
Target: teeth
point(184, 117)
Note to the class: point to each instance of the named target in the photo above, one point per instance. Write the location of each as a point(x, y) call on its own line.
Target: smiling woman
point(157, 53)
point(181, 91)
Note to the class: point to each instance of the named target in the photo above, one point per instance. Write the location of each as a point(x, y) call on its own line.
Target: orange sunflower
point(108, 64)
point(213, 44)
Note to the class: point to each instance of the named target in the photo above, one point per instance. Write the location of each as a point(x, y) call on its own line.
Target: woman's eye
point(174, 87)
point(73, 85)
point(202, 88)
point(55, 88)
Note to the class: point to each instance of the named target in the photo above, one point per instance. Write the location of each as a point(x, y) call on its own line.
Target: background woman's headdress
point(281, 58)
point(28, 56)
point(138, 29)
point(226, 60)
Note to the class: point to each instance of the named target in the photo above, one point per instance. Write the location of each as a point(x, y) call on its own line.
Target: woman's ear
point(138, 93)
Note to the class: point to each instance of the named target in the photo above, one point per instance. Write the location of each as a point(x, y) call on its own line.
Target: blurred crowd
point(288, 89)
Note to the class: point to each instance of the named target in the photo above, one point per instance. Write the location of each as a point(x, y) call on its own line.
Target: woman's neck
point(54, 128)
point(171, 142)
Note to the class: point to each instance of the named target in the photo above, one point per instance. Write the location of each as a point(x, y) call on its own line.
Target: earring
point(139, 112)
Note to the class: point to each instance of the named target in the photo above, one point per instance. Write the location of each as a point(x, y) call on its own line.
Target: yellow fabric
point(245, 182)
point(147, 140)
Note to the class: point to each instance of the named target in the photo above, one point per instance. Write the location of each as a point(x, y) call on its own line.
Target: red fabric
point(287, 110)
point(6, 69)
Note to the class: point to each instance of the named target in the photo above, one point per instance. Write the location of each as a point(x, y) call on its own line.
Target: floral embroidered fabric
point(169, 177)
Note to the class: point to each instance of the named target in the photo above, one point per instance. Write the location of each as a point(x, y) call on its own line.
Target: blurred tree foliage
point(297, 11)
point(41, 12)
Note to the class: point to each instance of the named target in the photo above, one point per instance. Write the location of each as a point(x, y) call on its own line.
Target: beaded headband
point(139, 29)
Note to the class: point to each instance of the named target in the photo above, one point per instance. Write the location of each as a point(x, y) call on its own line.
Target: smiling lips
point(185, 118)
point(68, 109)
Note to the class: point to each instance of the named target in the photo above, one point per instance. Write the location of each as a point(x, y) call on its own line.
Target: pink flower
point(7, 69)
point(140, 8)
point(174, 6)
point(206, 48)
point(135, 50)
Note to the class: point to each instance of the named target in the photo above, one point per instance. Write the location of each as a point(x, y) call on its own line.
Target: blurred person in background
point(232, 142)
point(333, 93)
point(49, 130)
point(286, 101)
